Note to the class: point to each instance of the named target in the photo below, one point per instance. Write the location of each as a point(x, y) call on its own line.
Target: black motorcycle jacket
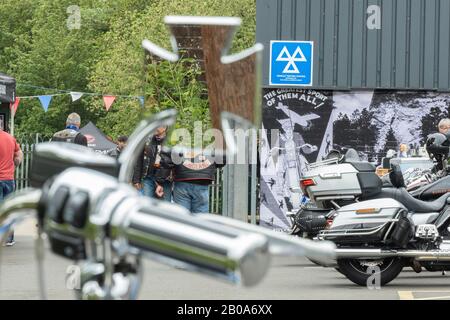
point(70, 136)
point(149, 163)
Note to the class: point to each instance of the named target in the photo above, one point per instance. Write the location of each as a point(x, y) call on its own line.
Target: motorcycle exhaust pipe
point(419, 255)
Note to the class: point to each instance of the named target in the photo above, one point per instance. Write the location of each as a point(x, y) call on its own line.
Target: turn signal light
point(367, 211)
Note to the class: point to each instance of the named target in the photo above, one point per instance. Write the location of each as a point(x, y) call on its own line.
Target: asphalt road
point(288, 279)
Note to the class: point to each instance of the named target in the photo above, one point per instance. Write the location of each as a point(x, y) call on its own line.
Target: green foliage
point(105, 56)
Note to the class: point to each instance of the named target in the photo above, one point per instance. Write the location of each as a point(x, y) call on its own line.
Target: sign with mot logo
point(291, 63)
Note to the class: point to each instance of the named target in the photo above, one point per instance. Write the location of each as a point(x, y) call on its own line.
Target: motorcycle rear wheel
point(359, 273)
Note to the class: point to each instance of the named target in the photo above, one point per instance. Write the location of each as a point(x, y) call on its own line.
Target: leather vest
point(67, 135)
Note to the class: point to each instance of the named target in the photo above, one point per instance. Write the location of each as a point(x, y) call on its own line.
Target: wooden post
point(233, 84)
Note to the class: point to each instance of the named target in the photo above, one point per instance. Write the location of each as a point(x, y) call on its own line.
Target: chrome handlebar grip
point(135, 225)
point(169, 234)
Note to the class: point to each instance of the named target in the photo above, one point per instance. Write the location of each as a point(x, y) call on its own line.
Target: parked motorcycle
point(342, 180)
point(92, 216)
point(384, 235)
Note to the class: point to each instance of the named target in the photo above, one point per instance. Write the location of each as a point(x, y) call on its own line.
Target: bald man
point(71, 133)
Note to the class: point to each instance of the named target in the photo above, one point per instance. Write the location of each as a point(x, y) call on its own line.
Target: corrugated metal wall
point(410, 51)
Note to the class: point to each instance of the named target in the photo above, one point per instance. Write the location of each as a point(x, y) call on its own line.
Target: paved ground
point(288, 279)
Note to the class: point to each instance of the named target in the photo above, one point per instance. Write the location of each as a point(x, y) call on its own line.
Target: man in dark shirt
point(71, 133)
point(193, 174)
point(149, 176)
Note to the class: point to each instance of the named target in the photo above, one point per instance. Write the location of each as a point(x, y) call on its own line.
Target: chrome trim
point(354, 232)
point(322, 163)
point(319, 198)
point(419, 255)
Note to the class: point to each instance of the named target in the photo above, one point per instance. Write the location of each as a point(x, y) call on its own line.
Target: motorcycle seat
point(413, 204)
point(362, 166)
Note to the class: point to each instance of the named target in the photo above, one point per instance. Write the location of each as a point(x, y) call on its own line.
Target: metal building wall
point(410, 51)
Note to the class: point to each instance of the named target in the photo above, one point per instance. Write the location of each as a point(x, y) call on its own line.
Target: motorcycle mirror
point(136, 141)
point(52, 158)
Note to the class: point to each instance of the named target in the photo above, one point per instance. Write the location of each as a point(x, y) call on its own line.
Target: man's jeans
point(6, 188)
point(194, 197)
point(149, 187)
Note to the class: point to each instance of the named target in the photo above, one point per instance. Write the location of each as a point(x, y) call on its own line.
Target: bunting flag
point(76, 96)
point(141, 100)
point(108, 100)
point(13, 106)
point(45, 101)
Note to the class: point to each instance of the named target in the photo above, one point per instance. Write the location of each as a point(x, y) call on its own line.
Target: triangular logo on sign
point(299, 52)
point(284, 54)
point(298, 56)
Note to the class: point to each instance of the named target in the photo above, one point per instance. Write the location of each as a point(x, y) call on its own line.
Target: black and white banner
point(301, 126)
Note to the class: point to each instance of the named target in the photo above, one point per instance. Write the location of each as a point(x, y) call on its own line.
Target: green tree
point(104, 56)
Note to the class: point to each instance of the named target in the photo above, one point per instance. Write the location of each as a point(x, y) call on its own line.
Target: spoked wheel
point(371, 272)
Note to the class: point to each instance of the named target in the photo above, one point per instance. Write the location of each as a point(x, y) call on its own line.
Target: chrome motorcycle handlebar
point(19, 206)
point(134, 225)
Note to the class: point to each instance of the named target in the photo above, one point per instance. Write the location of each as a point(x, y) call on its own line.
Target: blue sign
point(291, 63)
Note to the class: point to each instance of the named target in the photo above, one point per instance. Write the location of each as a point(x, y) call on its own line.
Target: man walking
point(10, 157)
point(72, 132)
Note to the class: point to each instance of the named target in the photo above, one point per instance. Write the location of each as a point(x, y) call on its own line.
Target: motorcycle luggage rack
point(324, 234)
point(322, 163)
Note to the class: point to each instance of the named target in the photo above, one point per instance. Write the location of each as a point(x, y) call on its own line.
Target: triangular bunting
point(141, 100)
point(76, 96)
point(108, 100)
point(45, 101)
point(13, 106)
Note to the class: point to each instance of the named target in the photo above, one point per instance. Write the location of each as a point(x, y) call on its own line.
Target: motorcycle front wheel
point(371, 272)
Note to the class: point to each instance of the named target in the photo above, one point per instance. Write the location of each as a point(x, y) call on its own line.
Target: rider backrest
point(396, 176)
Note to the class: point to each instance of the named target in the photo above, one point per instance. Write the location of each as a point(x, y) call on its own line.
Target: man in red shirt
point(10, 157)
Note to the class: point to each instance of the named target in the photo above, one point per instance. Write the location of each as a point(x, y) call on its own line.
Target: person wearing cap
point(71, 133)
